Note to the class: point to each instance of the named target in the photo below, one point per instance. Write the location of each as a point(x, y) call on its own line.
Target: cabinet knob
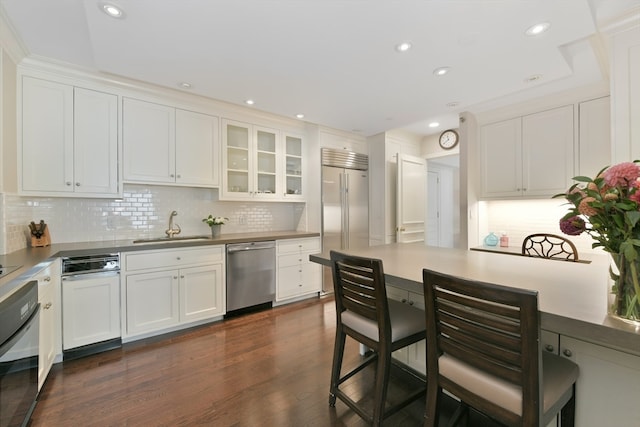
point(549, 348)
point(411, 303)
point(171, 175)
point(77, 184)
point(47, 306)
point(175, 277)
point(178, 258)
point(68, 183)
point(567, 352)
point(404, 300)
point(181, 276)
point(47, 279)
point(178, 176)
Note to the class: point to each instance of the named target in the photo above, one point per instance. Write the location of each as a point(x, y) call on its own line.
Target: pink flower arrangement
point(608, 209)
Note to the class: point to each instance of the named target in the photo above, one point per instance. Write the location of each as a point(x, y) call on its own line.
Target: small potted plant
point(215, 222)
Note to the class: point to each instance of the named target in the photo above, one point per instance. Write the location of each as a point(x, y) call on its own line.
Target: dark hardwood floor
point(269, 368)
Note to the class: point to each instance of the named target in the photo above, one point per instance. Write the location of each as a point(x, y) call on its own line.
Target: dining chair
point(545, 245)
point(364, 313)
point(484, 348)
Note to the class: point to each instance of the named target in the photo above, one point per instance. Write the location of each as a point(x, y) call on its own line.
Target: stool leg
point(382, 379)
point(338, 352)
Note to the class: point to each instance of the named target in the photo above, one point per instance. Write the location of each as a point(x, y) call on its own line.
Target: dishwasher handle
point(81, 276)
point(251, 246)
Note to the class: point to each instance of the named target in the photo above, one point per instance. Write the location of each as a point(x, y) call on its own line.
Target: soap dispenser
point(504, 240)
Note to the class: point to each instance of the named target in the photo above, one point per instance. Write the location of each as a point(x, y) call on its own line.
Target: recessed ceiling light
point(533, 78)
point(185, 85)
point(434, 124)
point(300, 116)
point(111, 10)
point(403, 47)
point(537, 29)
point(249, 102)
point(441, 71)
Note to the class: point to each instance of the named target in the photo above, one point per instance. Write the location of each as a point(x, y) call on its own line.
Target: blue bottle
point(491, 240)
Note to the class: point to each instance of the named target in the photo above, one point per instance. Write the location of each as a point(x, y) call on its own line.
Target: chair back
point(490, 328)
point(360, 289)
point(545, 245)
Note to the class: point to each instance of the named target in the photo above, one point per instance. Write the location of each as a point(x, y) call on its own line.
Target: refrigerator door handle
point(345, 213)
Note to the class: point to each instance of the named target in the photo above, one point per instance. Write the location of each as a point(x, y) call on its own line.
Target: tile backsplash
point(142, 212)
point(519, 218)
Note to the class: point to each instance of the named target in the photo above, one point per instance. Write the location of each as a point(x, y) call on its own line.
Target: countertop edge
point(32, 260)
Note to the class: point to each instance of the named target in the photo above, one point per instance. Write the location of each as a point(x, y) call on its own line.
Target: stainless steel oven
point(19, 338)
point(90, 304)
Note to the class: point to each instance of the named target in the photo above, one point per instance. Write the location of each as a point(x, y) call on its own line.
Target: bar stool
point(484, 348)
point(364, 313)
point(545, 245)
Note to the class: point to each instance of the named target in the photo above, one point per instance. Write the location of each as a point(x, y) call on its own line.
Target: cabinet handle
point(47, 279)
point(549, 348)
point(567, 352)
point(47, 306)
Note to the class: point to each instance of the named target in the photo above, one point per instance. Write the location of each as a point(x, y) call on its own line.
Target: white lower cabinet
point(166, 289)
point(49, 338)
point(414, 355)
point(296, 275)
point(91, 309)
point(608, 388)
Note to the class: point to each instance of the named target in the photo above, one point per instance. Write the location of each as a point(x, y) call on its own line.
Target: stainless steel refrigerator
point(345, 203)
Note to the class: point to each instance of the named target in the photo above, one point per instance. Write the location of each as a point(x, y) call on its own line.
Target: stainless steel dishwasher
point(251, 275)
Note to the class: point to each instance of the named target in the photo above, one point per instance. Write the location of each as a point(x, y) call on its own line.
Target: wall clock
point(448, 139)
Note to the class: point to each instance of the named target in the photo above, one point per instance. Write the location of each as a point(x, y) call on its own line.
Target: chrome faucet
point(172, 231)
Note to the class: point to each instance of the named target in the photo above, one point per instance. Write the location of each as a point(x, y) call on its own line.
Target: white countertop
point(572, 297)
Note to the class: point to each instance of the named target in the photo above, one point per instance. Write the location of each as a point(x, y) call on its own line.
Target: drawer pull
point(549, 348)
point(567, 352)
point(47, 306)
point(47, 279)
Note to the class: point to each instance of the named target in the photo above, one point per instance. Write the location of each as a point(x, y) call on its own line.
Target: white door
point(411, 198)
point(433, 208)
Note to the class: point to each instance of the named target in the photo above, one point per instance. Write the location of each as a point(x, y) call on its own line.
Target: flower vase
point(625, 288)
point(215, 230)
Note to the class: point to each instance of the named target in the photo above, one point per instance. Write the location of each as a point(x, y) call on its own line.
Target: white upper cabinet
point(594, 136)
point(293, 167)
point(69, 140)
point(197, 149)
point(250, 162)
point(529, 156)
point(165, 145)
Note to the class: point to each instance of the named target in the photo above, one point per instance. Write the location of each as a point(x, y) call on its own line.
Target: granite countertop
point(572, 297)
point(32, 260)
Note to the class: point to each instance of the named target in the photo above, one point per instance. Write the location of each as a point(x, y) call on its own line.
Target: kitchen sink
point(170, 239)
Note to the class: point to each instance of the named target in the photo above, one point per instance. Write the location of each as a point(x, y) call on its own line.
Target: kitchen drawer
point(299, 245)
point(171, 258)
point(291, 260)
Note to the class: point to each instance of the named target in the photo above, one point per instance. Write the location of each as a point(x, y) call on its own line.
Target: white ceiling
point(333, 60)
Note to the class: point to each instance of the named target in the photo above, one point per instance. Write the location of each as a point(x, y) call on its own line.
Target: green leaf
point(582, 179)
point(632, 218)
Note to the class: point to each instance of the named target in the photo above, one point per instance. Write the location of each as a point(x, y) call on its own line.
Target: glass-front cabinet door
point(266, 165)
point(237, 157)
point(293, 167)
point(251, 166)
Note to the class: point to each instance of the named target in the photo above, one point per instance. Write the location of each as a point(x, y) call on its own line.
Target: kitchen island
point(572, 299)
